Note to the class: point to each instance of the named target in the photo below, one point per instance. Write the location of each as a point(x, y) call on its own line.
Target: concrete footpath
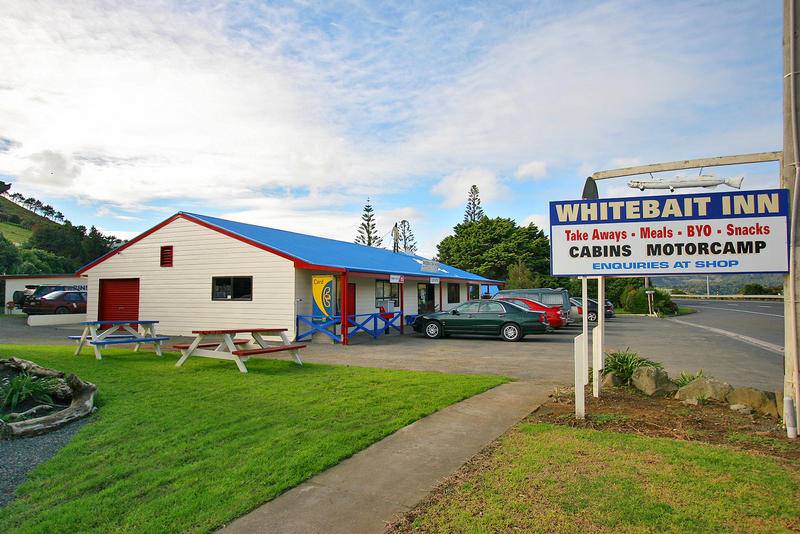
point(362, 493)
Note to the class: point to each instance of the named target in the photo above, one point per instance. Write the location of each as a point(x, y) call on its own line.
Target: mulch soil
point(627, 410)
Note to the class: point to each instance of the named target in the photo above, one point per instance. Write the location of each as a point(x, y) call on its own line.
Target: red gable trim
point(297, 261)
point(117, 250)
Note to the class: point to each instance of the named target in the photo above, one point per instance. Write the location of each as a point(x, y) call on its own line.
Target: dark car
point(41, 291)
point(483, 317)
point(576, 310)
point(57, 302)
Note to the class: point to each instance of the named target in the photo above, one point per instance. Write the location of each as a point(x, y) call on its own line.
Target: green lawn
point(176, 450)
point(559, 479)
point(15, 234)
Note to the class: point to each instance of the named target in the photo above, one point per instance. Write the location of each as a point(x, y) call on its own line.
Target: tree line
point(55, 248)
point(38, 207)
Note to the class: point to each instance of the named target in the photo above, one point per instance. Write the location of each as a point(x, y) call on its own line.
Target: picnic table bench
point(112, 336)
point(225, 347)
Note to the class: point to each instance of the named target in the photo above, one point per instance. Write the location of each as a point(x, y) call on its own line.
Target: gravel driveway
point(21, 455)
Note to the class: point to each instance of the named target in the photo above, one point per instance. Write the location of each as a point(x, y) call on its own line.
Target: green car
point(483, 317)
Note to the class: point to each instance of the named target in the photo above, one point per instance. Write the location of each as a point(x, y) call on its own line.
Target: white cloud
point(125, 235)
point(541, 220)
point(533, 170)
point(106, 212)
point(454, 187)
point(621, 163)
point(243, 105)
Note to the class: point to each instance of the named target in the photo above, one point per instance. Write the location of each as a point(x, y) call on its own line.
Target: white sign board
point(711, 233)
point(434, 280)
point(429, 266)
point(396, 279)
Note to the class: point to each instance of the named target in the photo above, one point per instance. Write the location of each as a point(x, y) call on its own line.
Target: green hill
point(16, 222)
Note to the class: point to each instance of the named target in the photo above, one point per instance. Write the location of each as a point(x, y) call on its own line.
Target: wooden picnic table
point(221, 345)
point(118, 333)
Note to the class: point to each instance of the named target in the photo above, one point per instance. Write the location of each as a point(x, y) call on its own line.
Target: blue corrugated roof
point(333, 253)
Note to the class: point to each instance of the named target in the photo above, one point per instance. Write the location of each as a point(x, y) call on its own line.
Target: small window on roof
point(166, 256)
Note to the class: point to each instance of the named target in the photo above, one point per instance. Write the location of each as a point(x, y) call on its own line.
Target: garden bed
point(627, 410)
point(36, 400)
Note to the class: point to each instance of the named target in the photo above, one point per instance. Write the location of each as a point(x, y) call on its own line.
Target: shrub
point(753, 289)
point(687, 378)
point(636, 302)
point(624, 362)
point(22, 387)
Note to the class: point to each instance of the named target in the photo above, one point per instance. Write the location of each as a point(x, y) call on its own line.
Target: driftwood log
point(81, 404)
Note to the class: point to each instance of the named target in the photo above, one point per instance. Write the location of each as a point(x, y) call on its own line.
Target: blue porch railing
point(374, 324)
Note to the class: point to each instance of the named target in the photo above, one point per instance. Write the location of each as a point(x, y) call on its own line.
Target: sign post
point(597, 337)
point(705, 233)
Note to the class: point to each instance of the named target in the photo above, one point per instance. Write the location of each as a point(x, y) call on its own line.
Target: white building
point(194, 272)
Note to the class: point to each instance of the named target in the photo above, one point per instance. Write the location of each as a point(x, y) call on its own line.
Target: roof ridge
point(202, 216)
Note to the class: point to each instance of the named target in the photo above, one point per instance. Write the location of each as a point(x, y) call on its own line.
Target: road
point(761, 320)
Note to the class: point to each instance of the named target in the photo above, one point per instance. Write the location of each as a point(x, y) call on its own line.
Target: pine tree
point(367, 231)
point(474, 211)
point(520, 276)
point(407, 241)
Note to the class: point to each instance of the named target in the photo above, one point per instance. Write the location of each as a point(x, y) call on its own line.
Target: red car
point(57, 302)
point(554, 314)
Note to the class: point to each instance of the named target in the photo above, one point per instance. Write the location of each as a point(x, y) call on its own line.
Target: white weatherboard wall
point(180, 296)
point(18, 284)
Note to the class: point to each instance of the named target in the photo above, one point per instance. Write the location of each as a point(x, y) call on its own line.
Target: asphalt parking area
point(543, 359)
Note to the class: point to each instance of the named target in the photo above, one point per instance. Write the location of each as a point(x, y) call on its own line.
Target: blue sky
point(291, 114)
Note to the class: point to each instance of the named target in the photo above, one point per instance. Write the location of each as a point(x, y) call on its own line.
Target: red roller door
point(119, 299)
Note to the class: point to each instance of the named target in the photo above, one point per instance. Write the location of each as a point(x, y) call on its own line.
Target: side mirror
point(455, 312)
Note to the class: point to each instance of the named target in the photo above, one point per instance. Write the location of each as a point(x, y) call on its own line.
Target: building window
point(232, 288)
point(473, 291)
point(386, 292)
point(453, 293)
point(166, 256)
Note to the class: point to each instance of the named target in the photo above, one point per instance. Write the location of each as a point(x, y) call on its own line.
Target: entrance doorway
point(425, 299)
point(351, 299)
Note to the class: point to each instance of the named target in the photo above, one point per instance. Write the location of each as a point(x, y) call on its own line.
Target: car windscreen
point(44, 290)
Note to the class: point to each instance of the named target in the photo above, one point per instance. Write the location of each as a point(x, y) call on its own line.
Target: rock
point(705, 388)
point(652, 381)
point(611, 380)
point(761, 401)
point(741, 408)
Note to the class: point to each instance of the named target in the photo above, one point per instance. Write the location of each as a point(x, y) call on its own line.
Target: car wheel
point(433, 330)
point(62, 310)
point(511, 332)
point(592, 317)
